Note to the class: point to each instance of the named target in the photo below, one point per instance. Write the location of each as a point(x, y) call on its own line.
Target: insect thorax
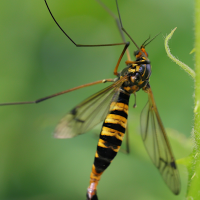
point(138, 77)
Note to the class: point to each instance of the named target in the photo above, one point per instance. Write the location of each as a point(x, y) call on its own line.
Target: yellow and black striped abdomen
point(111, 136)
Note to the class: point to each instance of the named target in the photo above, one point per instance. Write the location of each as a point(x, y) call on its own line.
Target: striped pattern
point(110, 140)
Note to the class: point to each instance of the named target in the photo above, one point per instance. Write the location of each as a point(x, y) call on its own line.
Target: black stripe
point(120, 113)
point(100, 165)
point(123, 98)
point(111, 140)
point(116, 127)
point(106, 153)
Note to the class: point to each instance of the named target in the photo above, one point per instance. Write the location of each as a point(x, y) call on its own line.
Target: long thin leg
point(59, 93)
point(79, 45)
point(123, 29)
point(118, 25)
point(120, 58)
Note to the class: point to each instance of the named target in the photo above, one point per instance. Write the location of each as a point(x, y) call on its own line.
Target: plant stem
point(186, 68)
point(194, 175)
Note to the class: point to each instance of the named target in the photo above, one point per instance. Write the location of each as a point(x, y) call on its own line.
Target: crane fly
point(110, 105)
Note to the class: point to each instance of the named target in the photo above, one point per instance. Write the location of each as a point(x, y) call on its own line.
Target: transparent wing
point(88, 113)
point(157, 144)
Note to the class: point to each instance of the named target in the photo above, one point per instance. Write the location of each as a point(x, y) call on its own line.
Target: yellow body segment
point(112, 132)
point(116, 119)
point(119, 106)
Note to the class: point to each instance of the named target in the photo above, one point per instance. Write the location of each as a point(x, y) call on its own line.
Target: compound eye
point(136, 53)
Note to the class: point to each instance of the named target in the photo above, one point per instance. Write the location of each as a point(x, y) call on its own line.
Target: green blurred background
point(37, 60)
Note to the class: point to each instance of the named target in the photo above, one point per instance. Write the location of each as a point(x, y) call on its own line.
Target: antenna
point(150, 40)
